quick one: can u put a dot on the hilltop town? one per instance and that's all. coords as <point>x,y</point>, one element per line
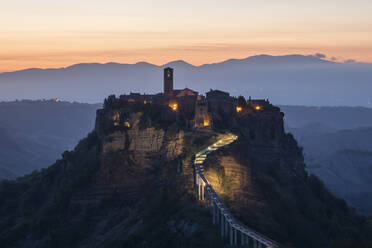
<point>186,104</point>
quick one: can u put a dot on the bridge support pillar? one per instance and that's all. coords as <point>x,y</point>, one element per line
<point>206,197</point>
<point>226,228</point>
<point>242,238</point>
<point>231,235</point>
<point>209,199</point>
<point>214,213</point>
<point>235,236</point>
<point>222,225</point>
<point>259,244</point>
<point>199,188</point>
<point>195,175</point>
<point>202,191</point>
<point>247,241</point>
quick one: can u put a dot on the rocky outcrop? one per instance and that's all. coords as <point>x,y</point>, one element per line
<point>130,184</point>
<point>232,180</point>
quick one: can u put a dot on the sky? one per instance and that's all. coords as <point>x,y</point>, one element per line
<point>51,33</point>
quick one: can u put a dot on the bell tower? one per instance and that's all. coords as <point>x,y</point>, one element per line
<point>168,81</point>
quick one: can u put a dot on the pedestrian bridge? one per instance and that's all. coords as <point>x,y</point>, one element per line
<point>230,228</point>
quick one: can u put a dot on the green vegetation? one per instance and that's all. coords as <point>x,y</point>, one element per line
<point>171,217</point>
<point>39,202</point>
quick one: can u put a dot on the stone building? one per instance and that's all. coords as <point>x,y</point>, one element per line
<point>168,81</point>
<point>203,117</point>
<point>218,95</point>
<point>188,106</point>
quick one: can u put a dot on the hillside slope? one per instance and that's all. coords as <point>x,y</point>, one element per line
<point>131,185</point>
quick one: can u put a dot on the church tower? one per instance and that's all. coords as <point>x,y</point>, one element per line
<point>168,81</point>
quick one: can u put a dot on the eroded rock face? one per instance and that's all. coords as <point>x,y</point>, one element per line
<point>139,155</point>
<point>144,151</point>
<point>134,158</point>
<point>232,179</point>
<point>134,173</point>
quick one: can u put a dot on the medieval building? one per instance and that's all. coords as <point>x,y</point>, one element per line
<point>189,104</point>
<point>168,81</point>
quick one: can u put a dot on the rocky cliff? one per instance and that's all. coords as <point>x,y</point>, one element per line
<point>130,184</point>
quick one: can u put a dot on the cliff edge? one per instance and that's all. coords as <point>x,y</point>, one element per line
<point>130,183</point>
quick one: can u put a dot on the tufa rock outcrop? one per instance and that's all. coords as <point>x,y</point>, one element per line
<point>130,183</point>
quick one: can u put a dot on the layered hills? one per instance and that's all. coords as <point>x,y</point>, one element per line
<point>289,79</point>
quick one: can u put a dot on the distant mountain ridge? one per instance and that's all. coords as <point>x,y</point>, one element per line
<point>288,79</point>
<point>263,58</point>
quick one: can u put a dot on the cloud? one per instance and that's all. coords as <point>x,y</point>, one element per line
<point>349,61</point>
<point>333,58</point>
<point>320,55</point>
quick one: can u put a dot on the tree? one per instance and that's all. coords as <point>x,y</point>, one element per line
<point>242,101</point>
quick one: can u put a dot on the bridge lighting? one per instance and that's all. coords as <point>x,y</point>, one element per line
<point>238,109</point>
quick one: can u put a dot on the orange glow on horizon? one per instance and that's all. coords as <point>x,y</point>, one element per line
<point>20,60</point>
<point>55,34</point>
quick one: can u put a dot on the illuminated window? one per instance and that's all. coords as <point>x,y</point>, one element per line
<point>173,106</point>
<point>238,109</point>
<point>258,107</point>
<point>116,117</point>
<point>206,122</point>
<point>127,124</point>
